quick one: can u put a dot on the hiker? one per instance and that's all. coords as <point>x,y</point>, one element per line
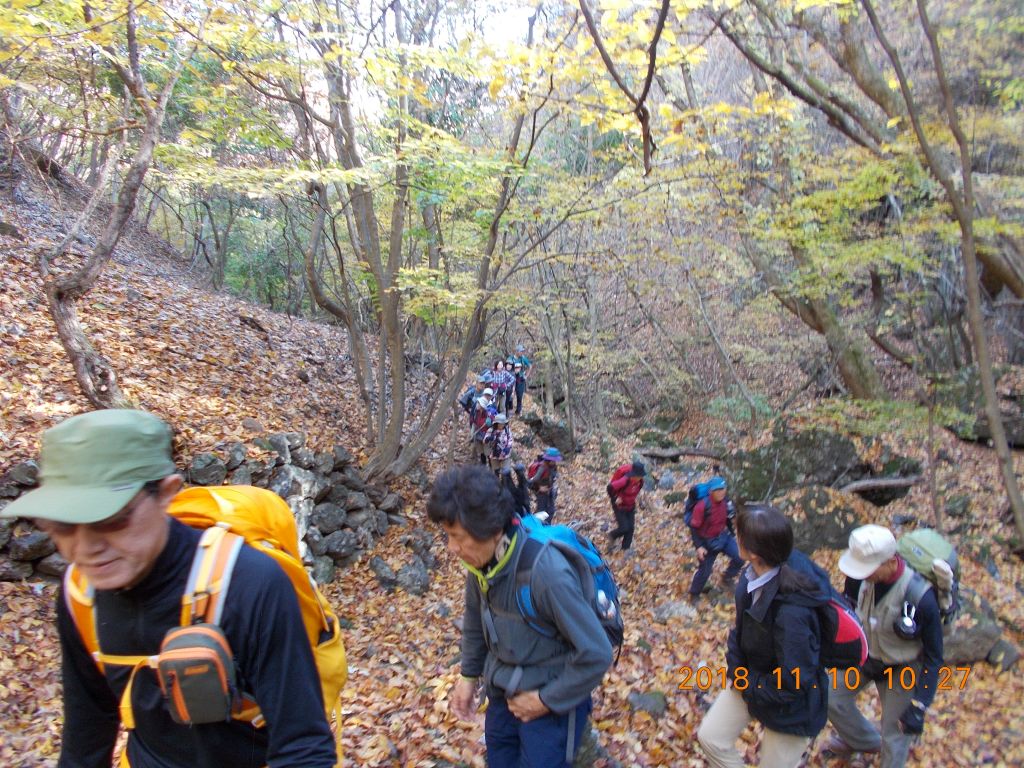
<point>480,426</point>
<point>510,375</point>
<point>467,400</point>
<point>711,535</point>
<point>499,438</point>
<point>625,486</point>
<point>538,685</point>
<point>521,368</point>
<point>543,477</point>
<point>501,380</point>
<point>772,653</point>
<point>106,483</point>
<point>877,580</point>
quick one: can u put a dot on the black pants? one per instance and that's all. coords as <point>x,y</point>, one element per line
<point>625,522</point>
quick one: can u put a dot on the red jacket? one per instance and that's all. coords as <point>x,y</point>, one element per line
<point>625,488</point>
<point>710,524</point>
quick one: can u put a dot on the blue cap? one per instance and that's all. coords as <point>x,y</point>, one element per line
<point>716,483</point>
<point>552,454</point>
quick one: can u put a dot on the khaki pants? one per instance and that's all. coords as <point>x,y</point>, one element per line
<point>722,726</point>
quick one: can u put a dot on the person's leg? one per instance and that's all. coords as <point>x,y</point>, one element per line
<point>619,529</point>
<point>501,735</point>
<point>629,518</point>
<point>851,726</point>
<point>544,740</point>
<point>703,573</point>
<point>721,727</point>
<point>782,750</point>
<point>895,744</point>
<point>732,551</point>
<point>520,394</point>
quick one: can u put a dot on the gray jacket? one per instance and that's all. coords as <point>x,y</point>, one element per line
<point>564,668</point>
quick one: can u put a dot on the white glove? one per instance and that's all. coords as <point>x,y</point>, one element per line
<point>943,574</point>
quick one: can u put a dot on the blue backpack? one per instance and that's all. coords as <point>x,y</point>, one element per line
<point>596,578</point>
<point>698,492</point>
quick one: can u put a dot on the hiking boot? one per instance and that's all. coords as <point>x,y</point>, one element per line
<point>837,747</point>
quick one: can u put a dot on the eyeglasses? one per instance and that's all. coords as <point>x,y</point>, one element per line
<point>113,524</point>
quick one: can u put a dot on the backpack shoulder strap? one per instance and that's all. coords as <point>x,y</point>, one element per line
<point>210,577</point>
<point>916,589</point>
<point>79,597</point>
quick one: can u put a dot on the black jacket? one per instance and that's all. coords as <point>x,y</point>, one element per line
<point>780,632</point>
<point>263,624</point>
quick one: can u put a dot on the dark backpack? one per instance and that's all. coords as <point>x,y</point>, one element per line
<point>599,588</point>
<point>467,400</point>
<point>843,642</point>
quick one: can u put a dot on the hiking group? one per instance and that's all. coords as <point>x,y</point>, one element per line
<point>539,625</point>
<point>187,615</point>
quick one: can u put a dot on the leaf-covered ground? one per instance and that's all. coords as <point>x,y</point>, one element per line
<point>186,356</point>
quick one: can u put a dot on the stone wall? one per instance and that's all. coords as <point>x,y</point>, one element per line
<point>338,513</point>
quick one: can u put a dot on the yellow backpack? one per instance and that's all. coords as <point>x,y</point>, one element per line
<point>228,515</point>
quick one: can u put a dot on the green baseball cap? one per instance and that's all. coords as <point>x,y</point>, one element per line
<point>93,464</point>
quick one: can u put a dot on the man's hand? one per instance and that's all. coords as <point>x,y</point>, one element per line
<point>912,719</point>
<point>702,552</point>
<point>527,706</point>
<point>462,699</point>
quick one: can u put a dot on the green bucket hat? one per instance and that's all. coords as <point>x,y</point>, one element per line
<point>93,464</point>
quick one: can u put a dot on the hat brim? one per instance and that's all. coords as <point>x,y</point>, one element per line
<point>73,505</point>
<point>555,459</point>
<point>856,568</point>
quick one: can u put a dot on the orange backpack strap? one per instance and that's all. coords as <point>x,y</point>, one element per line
<point>210,577</point>
<point>79,597</point>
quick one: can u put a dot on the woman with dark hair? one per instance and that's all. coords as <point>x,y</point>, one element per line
<point>774,672</point>
<point>538,683</point>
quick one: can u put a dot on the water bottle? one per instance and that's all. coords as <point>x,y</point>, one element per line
<point>605,606</point>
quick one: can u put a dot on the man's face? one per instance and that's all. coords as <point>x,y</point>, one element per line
<point>884,572</point>
<point>718,495</point>
<point>465,547</point>
<point>118,552</point>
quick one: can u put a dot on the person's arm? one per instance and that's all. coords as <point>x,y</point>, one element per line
<point>275,659</point>
<point>797,642</point>
<point>474,646</point>
<point>91,718</point>
<point>620,484</point>
<point>930,621</point>
<point>697,518</point>
<point>560,602</point>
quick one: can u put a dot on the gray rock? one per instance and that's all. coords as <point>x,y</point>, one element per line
<point>1004,655</point>
<point>975,632</point>
<point>653,703</point>
<point>324,570</point>
<point>324,462</point>
<point>303,457</point>
<point>342,457</point>
<point>251,425</point>
<point>260,471</point>
<point>958,506</point>
<point>358,519</point>
<point>295,440</point>
<point>552,432</point>
<point>279,444</point>
<point>52,565</point>
<point>290,480</point>
<point>391,504</point>
<point>13,570</point>
<point>26,474</point>
<point>385,573</point>
<point>30,546</point>
<point>328,518</point>
<point>376,493</point>
<point>667,481</point>
<point>9,489</point>
<point>340,544</point>
<point>315,541</point>
<point>302,510</point>
<point>237,453</point>
<point>207,469</point>
<point>354,479</point>
<point>337,494</point>
<point>822,517</point>
<point>677,609</point>
<point>242,476</point>
<point>421,542</point>
<point>357,500</point>
<point>418,477</point>
<point>395,519</point>
<point>414,577</point>
<point>380,522</point>
<point>6,527</point>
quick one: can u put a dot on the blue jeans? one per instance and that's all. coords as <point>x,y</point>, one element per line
<point>724,543</point>
<point>539,743</point>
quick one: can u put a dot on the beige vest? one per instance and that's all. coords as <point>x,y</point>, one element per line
<point>883,642</point>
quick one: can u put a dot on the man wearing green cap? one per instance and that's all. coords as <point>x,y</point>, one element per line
<point>107,479</point>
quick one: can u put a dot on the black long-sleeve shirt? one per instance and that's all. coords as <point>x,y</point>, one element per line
<point>273,659</point>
